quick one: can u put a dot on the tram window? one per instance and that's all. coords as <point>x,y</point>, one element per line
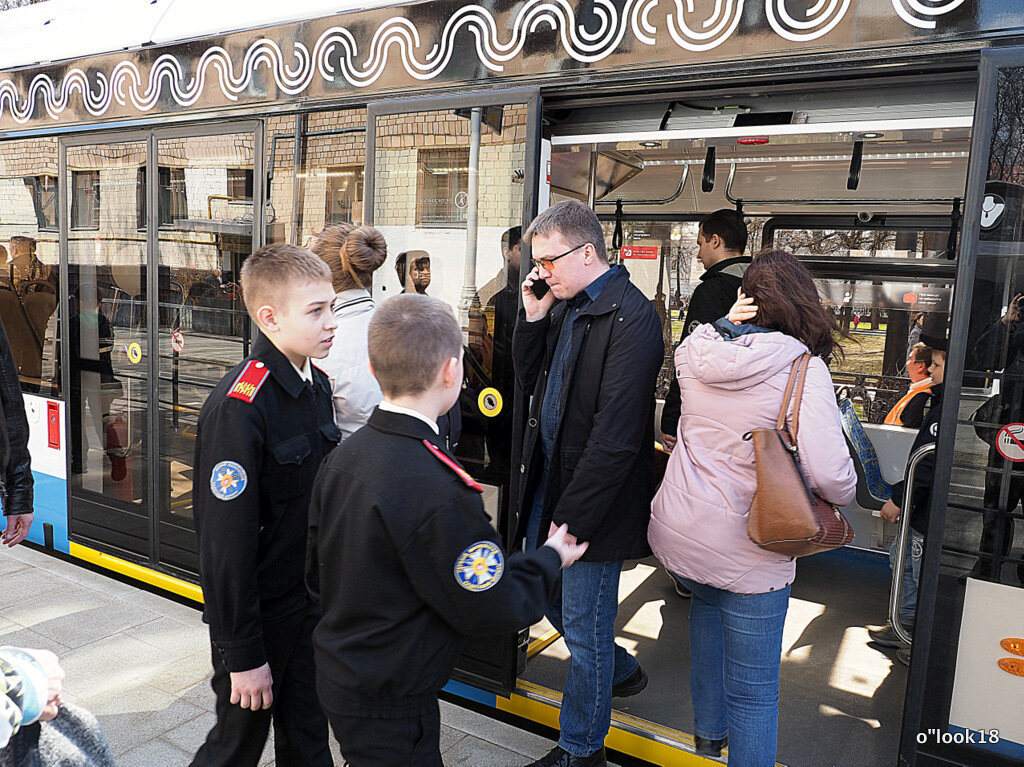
<point>443,182</point>
<point>240,183</point>
<point>862,243</point>
<point>29,274</point>
<point>85,199</point>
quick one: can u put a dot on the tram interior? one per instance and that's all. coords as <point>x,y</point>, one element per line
<point>878,233</point>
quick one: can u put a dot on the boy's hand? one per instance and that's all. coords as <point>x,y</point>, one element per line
<point>890,512</point>
<point>54,683</point>
<point>568,550</point>
<point>252,689</point>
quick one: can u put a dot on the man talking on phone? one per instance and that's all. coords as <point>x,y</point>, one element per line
<point>589,348</point>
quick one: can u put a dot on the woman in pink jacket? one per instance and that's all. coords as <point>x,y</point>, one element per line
<point>732,378</point>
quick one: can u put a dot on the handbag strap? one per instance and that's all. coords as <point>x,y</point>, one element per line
<point>795,391</point>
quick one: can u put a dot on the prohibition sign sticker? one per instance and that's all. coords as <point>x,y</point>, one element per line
<point>134,353</point>
<point>178,341</point>
<point>1010,442</point>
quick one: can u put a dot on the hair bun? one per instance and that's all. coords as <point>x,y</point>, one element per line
<point>365,249</point>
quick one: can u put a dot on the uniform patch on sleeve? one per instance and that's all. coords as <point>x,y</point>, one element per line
<point>228,480</point>
<point>479,566</point>
<point>249,381</point>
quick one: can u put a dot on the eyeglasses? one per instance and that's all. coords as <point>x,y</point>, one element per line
<point>548,263</point>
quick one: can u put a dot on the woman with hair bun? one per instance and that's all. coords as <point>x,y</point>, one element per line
<point>353,254</point>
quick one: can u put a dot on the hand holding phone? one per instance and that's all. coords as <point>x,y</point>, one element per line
<point>537,298</point>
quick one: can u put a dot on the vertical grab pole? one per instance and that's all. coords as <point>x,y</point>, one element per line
<point>899,565</point>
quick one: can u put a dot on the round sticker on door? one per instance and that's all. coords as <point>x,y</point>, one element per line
<point>134,353</point>
<point>1010,442</point>
<point>489,402</point>
<point>178,341</point>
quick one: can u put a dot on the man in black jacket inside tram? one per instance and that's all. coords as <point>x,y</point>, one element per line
<point>721,241</point>
<point>589,349</point>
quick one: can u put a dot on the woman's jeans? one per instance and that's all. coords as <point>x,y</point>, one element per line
<point>736,651</point>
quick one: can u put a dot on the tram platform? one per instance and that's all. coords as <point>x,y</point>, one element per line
<point>140,662</point>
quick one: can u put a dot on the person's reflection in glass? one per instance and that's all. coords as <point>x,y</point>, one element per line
<point>93,383</point>
<point>413,269</point>
<point>27,305</point>
<point>1006,333</point>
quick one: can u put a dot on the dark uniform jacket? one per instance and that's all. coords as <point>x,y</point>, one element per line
<point>601,474</point>
<point>407,564</point>
<point>262,435</point>
<point>927,435</point>
<point>15,463</point>
<point>711,301</point>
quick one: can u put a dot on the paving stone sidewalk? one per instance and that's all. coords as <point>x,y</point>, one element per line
<point>141,663</point>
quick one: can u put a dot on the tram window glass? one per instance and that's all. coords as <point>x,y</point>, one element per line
<point>173,200</point>
<point>85,199</point>
<point>44,200</point>
<point>29,273</point>
<point>329,188</point>
<point>240,181</point>
<point>443,182</point>
<point>108,327</point>
<point>862,243</point>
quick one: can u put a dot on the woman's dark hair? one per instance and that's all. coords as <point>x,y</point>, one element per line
<point>787,300</point>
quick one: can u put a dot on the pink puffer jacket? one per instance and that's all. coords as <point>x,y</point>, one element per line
<point>698,524</point>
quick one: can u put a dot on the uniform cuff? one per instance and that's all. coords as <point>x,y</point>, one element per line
<point>243,654</point>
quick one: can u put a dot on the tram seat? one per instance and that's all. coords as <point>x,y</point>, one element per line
<point>872,489</point>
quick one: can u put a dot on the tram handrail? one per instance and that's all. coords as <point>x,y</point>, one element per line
<point>661,201</point>
<point>899,563</point>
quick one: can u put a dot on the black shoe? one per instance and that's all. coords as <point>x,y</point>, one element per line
<point>558,757</point>
<point>631,685</point>
<point>903,655</point>
<point>886,636</point>
<point>681,590</point>
<point>707,747</point>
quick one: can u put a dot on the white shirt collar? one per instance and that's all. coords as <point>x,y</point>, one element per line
<point>305,372</point>
<point>391,407</point>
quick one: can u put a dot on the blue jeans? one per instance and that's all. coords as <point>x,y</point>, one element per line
<point>911,577</point>
<point>585,617</point>
<point>736,651</point>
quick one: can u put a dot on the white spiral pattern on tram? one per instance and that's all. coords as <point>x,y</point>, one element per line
<point>693,25</point>
<point>713,30</point>
<point>821,19</point>
<point>922,13</point>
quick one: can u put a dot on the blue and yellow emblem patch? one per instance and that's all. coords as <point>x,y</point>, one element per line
<point>228,480</point>
<point>479,566</point>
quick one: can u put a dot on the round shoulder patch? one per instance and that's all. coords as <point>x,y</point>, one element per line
<point>228,480</point>
<point>479,566</point>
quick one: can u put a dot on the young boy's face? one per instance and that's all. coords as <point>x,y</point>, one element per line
<point>938,367</point>
<point>305,322</point>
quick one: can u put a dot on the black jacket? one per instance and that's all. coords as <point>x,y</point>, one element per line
<point>393,528</point>
<point>928,434</point>
<point>15,462</point>
<point>252,530</point>
<point>711,301</point>
<point>601,476</point>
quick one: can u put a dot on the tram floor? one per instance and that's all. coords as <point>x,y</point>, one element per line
<point>841,696</point>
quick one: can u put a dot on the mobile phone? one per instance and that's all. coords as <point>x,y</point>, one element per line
<point>540,288</point>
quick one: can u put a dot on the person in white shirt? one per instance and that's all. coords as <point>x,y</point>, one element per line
<point>353,254</point>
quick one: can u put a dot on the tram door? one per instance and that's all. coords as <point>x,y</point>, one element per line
<point>450,183</point>
<point>966,686</point>
<point>156,226</point>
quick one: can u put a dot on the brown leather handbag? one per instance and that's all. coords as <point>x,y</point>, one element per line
<point>786,516</point>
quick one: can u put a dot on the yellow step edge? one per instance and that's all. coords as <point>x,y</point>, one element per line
<point>137,572</point>
<point>541,643</point>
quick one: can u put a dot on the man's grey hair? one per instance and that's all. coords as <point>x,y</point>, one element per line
<point>576,222</point>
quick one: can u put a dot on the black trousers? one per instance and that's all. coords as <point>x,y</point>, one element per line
<point>300,727</point>
<point>372,742</point>
<point>997,525</point>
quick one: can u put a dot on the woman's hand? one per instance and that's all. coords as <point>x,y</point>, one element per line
<point>744,310</point>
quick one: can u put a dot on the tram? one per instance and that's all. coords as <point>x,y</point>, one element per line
<point>148,147</point>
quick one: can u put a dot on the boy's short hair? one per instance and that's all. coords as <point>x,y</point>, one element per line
<point>410,337</point>
<point>269,274</point>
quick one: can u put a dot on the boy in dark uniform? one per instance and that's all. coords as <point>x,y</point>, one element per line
<point>402,554</point>
<point>262,435</point>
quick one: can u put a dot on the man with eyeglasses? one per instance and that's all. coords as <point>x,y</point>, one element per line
<point>589,349</point>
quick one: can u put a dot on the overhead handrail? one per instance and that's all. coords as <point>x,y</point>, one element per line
<point>836,201</point>
<point>899,565</point>
<point>663,201</point>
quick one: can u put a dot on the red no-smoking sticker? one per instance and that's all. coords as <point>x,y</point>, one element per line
<point>1010,442</point>
<point>178,341</point>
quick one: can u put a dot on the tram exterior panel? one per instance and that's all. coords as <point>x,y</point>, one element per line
<point>133,184</point>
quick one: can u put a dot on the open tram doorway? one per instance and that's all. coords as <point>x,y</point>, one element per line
<point>867,190</point>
